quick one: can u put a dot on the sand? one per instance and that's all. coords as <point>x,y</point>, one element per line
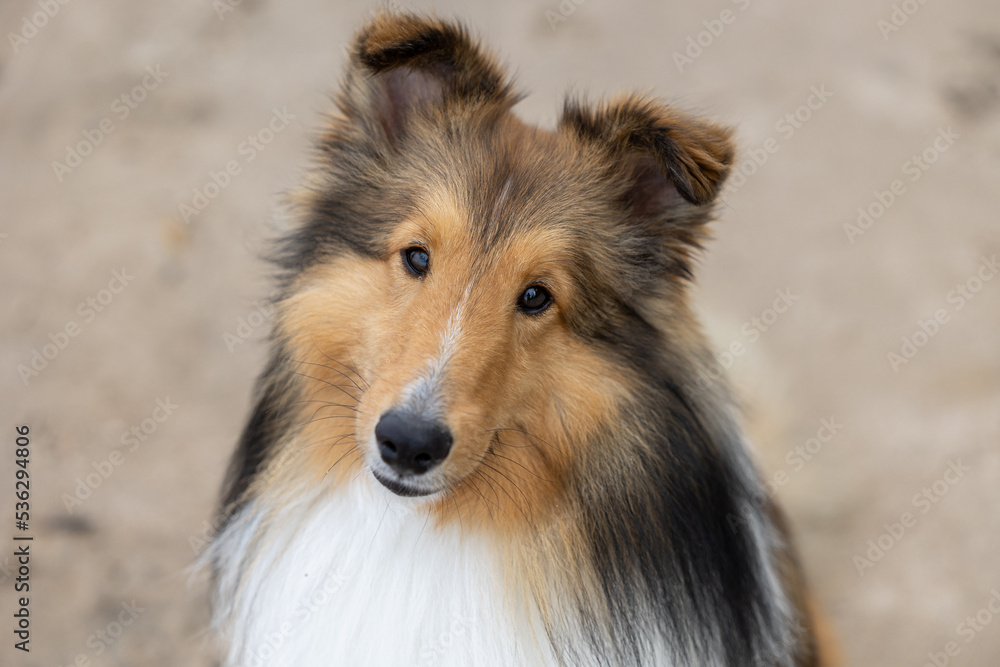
<point>839,107</point>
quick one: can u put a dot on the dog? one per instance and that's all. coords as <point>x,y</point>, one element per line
<point>487,433</point>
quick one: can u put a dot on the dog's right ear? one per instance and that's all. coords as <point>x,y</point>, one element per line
<point>403,65</point>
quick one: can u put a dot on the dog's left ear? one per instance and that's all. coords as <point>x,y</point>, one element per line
<point>658,151</point>
<point>403,65</point>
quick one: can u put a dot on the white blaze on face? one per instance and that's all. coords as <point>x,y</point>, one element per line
<point>423,395</point>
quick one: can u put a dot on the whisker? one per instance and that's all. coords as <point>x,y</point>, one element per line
<point>317,443</point>
<point>337,361</point>
<point>330,405</point>
<point>351,449</point>
<point>379,526</point>
<point>458,510</point>
<point>323,389</point>
<point>478,473</point>
<point>512,482</point>
<point>331,368</point>
<point>512,500</point>
<point>518,463</point>
<point>353,367</point>
<point>486,502</point>
<point>316,400</point>
<point>327,382</point>
<point>319,419</point>
<point>523,432</point>
<point>427,517</point>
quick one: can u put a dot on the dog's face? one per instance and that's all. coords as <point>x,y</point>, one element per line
<point>472,294</point>
<point>467,344</point>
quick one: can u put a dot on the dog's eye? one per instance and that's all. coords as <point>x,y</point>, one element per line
<point>416,260</point>
<point>534,300</point>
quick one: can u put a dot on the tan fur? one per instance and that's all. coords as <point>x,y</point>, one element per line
<point>360,328</point>
<point>521,394</point>
<point>373,317</point>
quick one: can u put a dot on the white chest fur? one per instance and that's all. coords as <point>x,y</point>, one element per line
<point>363,579</point>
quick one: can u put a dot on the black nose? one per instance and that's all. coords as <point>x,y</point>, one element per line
<point>410,444</point>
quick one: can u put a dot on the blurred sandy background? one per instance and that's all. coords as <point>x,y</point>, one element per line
<point>880,94</point>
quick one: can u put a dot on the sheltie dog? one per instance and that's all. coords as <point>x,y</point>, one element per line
<point>488,434</point>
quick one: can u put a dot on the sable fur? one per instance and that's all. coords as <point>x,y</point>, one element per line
<point>609,476</point>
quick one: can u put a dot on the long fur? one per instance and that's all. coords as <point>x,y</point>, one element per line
<point>599,507</point>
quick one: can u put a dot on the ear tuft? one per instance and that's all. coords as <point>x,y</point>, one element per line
<point>411,62</point>
<point>693,155</point>
<point>443,49</point>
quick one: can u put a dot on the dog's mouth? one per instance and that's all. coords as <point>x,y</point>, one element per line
<point>400,487</point>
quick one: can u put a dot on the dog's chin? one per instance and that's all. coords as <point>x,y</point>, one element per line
<point>401,488</point>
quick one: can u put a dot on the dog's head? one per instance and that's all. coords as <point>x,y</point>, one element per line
<point>471,296</point>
